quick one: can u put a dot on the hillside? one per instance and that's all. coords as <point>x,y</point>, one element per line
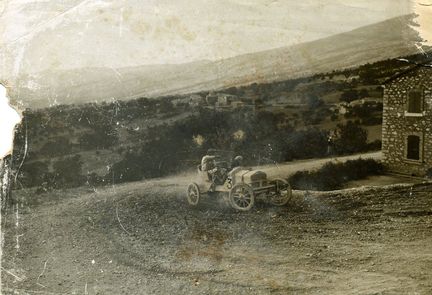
<point>388,39</point>
<point>121,141</point>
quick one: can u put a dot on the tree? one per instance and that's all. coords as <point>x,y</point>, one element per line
<point>350,138</point>
<point>349,95</point>
<point>313,101</point>
<point>67,172</point>
<point>33,174</point>
<point>59,146</point>
<point>103,136</point>
<point>308,143</point>
<point>363,93</point>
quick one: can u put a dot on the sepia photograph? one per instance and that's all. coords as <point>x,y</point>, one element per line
<point>216,147</point>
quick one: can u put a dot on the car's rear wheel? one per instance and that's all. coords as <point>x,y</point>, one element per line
<point>282,193</point>
<point>242,197</point>
<point>193,194</point>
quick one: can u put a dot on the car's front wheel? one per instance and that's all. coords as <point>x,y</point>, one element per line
<point>242,197</point>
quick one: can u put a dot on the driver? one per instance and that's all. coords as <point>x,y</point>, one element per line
<point>237,162</point>
<point>236,165</point>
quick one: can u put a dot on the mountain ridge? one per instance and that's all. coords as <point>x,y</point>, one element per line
<point>389,39</point>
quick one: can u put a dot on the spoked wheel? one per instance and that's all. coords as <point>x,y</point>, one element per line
<point>282,193</point>
<point>193,194</point>
<point>242,197</point>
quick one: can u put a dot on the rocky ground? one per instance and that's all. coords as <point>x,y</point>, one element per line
<point>143,238</point>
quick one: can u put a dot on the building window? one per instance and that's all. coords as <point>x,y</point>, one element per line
<point>413,147</point>
<point>415,101</point>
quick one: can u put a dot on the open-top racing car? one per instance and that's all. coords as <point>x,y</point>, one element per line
<point>239,186</point>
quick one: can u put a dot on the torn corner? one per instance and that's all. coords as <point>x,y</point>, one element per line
<point>423,11</point>
<point>9,118</point>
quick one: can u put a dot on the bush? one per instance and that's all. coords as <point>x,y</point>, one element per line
<point>93,179</point>
<point>130,168</point>
<point>351,138</point>
<point>334,175</point>
<point>334,117</point>
<point>313,101</point>
<point>101,138</point>
<point>372,121</point>
<point>363,93</point>
<point>56,147</point>
<point>67,172</point>
<point>310,143</point>
<point>349,95</point>
<point>374,145</point>
<point>33,173</point>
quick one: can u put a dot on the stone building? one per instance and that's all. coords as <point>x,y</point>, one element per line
<point>407,122</point>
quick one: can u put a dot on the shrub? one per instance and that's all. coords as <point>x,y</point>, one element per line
<point>334,117</point>
<point>67,172</point>
<point>310,143</point>
<point>34,173</point>
<point>349,95</point>
<point>93,179</point>
<point>374,145</point>
<point>334,175</point>
<point>101,138</point>
<point>429,173</point>
<point>352,138</point>
<point>313,101</point>
<point>372,121</point>
<point>363,93</point>
<point>58,146</point>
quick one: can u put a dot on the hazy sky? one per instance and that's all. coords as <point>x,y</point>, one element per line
<point>50,34</point>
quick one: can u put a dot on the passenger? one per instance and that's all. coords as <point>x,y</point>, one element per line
<point>208,163</point>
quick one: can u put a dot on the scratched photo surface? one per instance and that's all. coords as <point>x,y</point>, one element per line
<point>217,147</point>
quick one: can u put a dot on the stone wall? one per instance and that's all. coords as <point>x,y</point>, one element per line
<point>397,125</point>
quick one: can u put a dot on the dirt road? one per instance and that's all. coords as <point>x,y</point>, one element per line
<point>143,238</point>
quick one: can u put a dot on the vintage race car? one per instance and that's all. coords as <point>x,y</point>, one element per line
<point>240,187</point>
